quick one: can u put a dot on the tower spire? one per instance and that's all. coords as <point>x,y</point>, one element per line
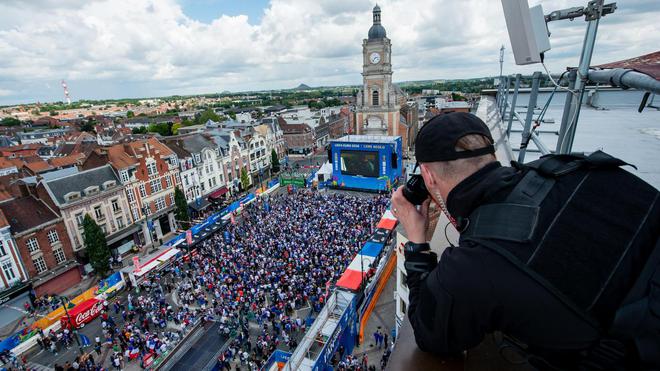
<point>376,14</point>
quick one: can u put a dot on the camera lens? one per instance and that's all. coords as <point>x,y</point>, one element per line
<point>415,190</point>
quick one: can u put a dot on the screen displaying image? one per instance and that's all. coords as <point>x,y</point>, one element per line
<point>359,163</point>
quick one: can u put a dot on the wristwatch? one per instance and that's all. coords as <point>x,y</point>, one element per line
<point>416,247</point>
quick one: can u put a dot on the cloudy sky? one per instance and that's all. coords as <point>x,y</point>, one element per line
<point>139,48</point>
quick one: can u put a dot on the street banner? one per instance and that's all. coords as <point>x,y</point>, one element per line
<point>136,264</point>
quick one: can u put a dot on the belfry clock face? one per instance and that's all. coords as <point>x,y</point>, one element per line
<point>374,58</point>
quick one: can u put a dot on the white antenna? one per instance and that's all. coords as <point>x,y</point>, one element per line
<point>501,59</point>
<point>66,92</point>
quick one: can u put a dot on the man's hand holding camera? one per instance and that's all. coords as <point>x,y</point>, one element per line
<point>415,221</point>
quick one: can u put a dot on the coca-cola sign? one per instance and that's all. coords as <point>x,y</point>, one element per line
<point>87,314</point>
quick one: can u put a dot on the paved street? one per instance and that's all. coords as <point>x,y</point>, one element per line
<point>383,317</point>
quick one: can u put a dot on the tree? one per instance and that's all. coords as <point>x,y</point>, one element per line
<point>10,121</point>
<point>209,114</point>
<point>140,130</point>
<point>245,181</point>
<point>274,161</point>
<point>181,207</point>
<point>88,126</point>
<point>96,246</point>
<point>130,114</point>
<point>175,128</point>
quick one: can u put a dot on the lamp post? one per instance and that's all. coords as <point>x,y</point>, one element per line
<point>74,331</point>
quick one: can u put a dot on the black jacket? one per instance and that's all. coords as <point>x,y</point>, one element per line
<point>473,291</point>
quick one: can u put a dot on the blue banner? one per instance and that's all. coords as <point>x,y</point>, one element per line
<point>114,279</point>
<point>277,356</point>
<point>10,343</point>
<point>344,335</point>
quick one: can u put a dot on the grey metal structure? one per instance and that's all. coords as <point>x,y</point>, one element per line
<point>577,81</point>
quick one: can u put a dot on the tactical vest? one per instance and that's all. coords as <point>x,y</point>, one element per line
<point>588,231</point>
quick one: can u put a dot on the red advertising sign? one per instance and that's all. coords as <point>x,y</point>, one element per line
<point>148,360</point>
<point>189,237</point>
<point>84,312</point>
<point>136,264</point>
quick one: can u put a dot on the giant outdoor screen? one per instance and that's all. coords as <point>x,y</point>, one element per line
<point>363,163</point>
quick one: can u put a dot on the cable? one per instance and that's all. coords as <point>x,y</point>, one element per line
<point>446,236</point>
<point>555,82</point>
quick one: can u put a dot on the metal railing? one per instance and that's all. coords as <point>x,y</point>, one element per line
<point>618,77</point>
<point>509,114</point>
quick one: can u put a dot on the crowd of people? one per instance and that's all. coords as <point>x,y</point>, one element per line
<point>279,258</point>
<point>258,280</point>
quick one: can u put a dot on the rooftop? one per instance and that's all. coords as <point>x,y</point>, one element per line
<point>26,213</point>
<point>78,182</point>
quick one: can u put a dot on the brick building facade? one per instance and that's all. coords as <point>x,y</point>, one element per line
<point>299,138</point>
<point>148,169</point>
<point>43,244</point>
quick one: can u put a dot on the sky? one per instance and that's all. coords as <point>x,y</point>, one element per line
<point>146,48</point>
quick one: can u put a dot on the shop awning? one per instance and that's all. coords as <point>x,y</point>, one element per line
<point>201,205</point>
<point>387,224</point>
<point>371,249</point>
<point>351,279</point>
<point>361,263</point>
<point>218,193</point>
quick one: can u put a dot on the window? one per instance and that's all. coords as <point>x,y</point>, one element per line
<point>104,228</point>
<point>403,306</point>
<point>115,206</point>
<point>3,252</point>
<point>143,191</point>
<point>53,237</point>
<point>160,203</point>
<point>32,244</point>
<point>156,186</point>
<point>99,213</point>
<point>131,195</point>
<point>151,168</point>
<point>123,175</point>
<point>9,270</point>
<point>146,209</point>
<point>135,212</point>
<point>59,255</point>
<point>210,184</point>
<point>374,98</point>
<point>79,219</point>
<point>120,223</point>
<point>40,264</point>
<point>171,198</point>
<point>168,181</point>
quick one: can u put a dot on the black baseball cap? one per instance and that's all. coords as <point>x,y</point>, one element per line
<point>436,140</point>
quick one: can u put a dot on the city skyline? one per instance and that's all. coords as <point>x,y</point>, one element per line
<point>143,48</point>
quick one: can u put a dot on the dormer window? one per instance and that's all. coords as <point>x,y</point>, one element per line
<point>91,190</point>
<point>71,196</point>
<point>109,184</point>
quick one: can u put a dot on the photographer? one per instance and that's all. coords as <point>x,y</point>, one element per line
<point>560,255</point>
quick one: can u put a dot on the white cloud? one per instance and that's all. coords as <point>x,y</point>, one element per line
<point>120,48</point>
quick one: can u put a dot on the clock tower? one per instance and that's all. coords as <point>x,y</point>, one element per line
<point>378,102</point>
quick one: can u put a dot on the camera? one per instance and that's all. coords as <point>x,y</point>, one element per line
<point>415,190</point>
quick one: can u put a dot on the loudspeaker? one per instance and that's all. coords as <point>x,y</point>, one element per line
<point>395,162</point>
<point>321,178</point>
<point>329,155</point>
